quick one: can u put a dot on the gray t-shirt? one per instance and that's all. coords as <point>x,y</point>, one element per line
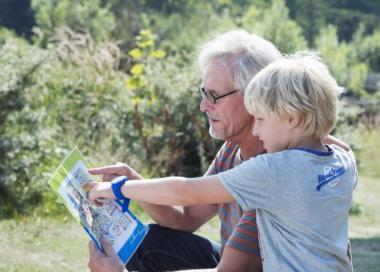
<point>302,199</point>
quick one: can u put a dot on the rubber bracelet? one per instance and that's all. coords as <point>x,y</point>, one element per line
<point>116,189</point>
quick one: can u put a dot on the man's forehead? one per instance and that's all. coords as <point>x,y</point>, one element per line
<point>217,65</point>
<point>217,76</point>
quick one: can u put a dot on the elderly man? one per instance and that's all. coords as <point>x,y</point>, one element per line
<point>228,63</point>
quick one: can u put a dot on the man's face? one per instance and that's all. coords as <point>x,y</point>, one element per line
<point>228,118</point>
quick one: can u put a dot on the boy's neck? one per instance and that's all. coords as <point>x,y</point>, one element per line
<point>309,143</point>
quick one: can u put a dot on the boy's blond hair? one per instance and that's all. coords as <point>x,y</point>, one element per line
<point>300,84</point>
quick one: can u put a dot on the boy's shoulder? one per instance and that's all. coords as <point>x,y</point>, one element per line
<point>344,155</point>
<point>300,157</point>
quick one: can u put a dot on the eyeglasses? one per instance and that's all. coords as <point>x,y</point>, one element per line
<point>211,96</point>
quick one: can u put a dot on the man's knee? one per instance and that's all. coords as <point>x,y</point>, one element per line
<point>166,249</point>
<point>153,237</point>
<point>151,241</point>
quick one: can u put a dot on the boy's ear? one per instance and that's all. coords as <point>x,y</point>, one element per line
<point>294,120</point>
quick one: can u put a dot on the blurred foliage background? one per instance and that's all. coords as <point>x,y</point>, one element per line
<point>118,79</point>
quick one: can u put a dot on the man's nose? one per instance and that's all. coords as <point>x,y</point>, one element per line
<point>205,104</point>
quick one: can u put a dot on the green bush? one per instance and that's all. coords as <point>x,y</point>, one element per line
<point>82,15</point>
<point>343,61</point>
<point>74,93</point>
<point>18,121</point>
<point>52,100</point>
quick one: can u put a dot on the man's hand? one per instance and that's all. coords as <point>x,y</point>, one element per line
<point>111,172</point>
<point>333,140</point>
<point>108,262</point>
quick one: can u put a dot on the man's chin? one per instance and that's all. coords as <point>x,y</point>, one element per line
<point>216,135</point>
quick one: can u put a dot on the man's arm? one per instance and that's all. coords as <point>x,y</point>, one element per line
<point>242,249</point>
<point>333,140</point>
<point>236,260</point>
<point>188,218</point>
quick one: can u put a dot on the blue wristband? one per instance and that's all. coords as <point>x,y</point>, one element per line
<point>116,189</point>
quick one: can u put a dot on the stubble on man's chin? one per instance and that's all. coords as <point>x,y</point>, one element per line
<point>214,135</point>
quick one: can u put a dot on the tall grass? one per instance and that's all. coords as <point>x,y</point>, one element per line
<point>368,155</point>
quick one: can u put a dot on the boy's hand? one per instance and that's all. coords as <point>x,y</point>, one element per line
<point>98,191</point>
<point>110,172</point>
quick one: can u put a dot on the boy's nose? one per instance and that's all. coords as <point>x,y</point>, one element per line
<point>255,131</point>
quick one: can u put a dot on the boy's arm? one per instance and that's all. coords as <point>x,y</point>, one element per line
<point>188,218</point>
<point>167,191</point>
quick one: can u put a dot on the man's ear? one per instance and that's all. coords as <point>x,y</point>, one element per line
<point>294,120</point>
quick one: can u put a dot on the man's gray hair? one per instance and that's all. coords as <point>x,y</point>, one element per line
<point>243,54</point>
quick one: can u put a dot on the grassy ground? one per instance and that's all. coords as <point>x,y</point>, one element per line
<point>59,244</point>
<point>34,244</point>
<point>365,227</point>
<point>47,244</point>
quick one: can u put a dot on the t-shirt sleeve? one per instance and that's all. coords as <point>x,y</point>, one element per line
<point>214,166</point>
<point>251,183</point>
<point>244,237</point>
<point>354,167</point>
<point>351,161</point>
<point>211,169</point>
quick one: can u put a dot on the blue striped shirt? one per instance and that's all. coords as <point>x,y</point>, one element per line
<point>238,229</point>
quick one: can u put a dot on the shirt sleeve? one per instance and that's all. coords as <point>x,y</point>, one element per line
<point>211,169</point>
<point>244,236</point>
<point>251,183</point>
<point>214,166</point>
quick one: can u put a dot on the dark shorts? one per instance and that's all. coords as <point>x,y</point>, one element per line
<point>165,249</point>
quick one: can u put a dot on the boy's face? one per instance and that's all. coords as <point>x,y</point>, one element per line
<point>275,133</point>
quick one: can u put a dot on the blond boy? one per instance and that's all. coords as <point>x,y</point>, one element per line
<point>301,189</point>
